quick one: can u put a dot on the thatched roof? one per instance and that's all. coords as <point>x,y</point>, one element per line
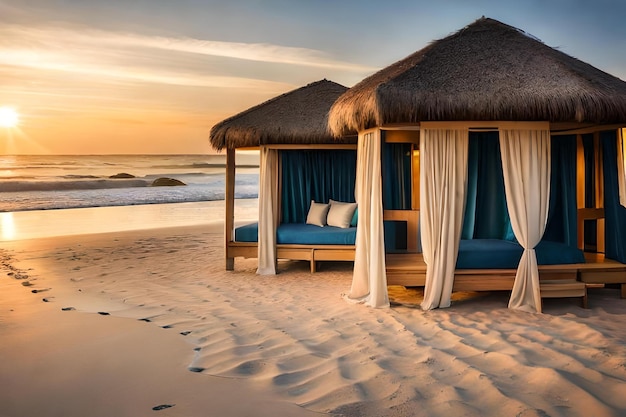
<point>299,116</point>
<point>485,71</point>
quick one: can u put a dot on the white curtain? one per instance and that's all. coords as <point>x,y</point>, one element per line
<point>268,211</point>
<point>526,168</point>
<point>443,181</point>
<point>621,163</point>
<point>369,280</point>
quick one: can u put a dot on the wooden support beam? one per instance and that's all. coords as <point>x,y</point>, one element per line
<point>229,198</point>
<point>580,187</point>
<point>301,146</point>
<point>599,165</point>
<point>599,171</point>
<point>415,175</point>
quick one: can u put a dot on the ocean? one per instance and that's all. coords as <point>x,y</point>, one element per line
<point>45,182</point>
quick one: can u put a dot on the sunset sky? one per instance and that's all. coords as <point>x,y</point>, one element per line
<point>153,76</point>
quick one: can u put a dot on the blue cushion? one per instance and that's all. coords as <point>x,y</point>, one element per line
<point>504,254</point>
<point>556,253</point>
<point>488,254</point>
<point>247,233</point>
<point>309,234</point>
<point>300,234</point>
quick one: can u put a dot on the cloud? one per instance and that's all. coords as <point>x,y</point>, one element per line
<point>125,55</point>
<point>261,52</point>
<point>72,63</point>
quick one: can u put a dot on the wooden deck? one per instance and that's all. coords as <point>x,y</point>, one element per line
<point>409,270</point>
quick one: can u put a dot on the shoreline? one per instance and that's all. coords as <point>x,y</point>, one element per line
<point>33,224</point>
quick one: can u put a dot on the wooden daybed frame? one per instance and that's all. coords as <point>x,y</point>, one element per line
<point>311,253</point>
<point>410,271</point>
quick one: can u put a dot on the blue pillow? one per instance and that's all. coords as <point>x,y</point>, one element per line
<point>355,218</point>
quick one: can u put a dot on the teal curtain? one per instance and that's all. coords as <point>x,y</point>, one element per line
<point>469,216</point>
<point>615,214</point>
<point>561,226</point>
<point>315,174</point>
<point>396,175</point>
<point>486,215</point>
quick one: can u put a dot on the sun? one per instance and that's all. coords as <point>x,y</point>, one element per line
<point>9,117</point>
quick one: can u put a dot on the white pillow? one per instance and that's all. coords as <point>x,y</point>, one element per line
<point>340,214</point>
<point>317,214</point>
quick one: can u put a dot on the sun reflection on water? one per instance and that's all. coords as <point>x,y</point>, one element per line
<point>8,226</point>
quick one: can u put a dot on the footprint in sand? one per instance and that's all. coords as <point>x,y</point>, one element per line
<point>17,275</point>
<point>104,313</point>
<point>162,407</point>
<point>40,290</point>
<point>68,309</point>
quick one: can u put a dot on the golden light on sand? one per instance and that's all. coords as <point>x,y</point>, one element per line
<point>8,226</point>
<point>9,117</point>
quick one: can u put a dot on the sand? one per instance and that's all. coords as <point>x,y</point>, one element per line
<point>118,324</point>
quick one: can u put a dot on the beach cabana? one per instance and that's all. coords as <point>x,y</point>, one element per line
<point>517,158</point>
<point>300,162</point>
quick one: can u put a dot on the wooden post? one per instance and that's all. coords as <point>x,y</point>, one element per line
<point>599,191</point>
<point>580,189</point>
<point>599,166</point>
<point>229,197</point>
<point>413,227</point>
<point>415,175</point>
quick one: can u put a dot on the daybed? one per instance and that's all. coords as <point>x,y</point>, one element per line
<point>308,242</point>
<point>489,264</point>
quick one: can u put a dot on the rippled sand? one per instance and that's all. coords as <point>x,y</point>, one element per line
<point>293,340</point>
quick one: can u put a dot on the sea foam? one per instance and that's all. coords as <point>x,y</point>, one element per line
<point>57,182</point>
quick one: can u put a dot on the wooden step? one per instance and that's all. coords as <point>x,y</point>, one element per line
<point>564,289</point>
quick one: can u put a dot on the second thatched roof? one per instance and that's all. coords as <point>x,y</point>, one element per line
<point>297,117</point>
<point>485,71</point>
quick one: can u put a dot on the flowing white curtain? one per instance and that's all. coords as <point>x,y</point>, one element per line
<point>526,168</point>
<point>621,163</point>
<point>268,211</point>
<point>443,164</point>
<point>369,280</point>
